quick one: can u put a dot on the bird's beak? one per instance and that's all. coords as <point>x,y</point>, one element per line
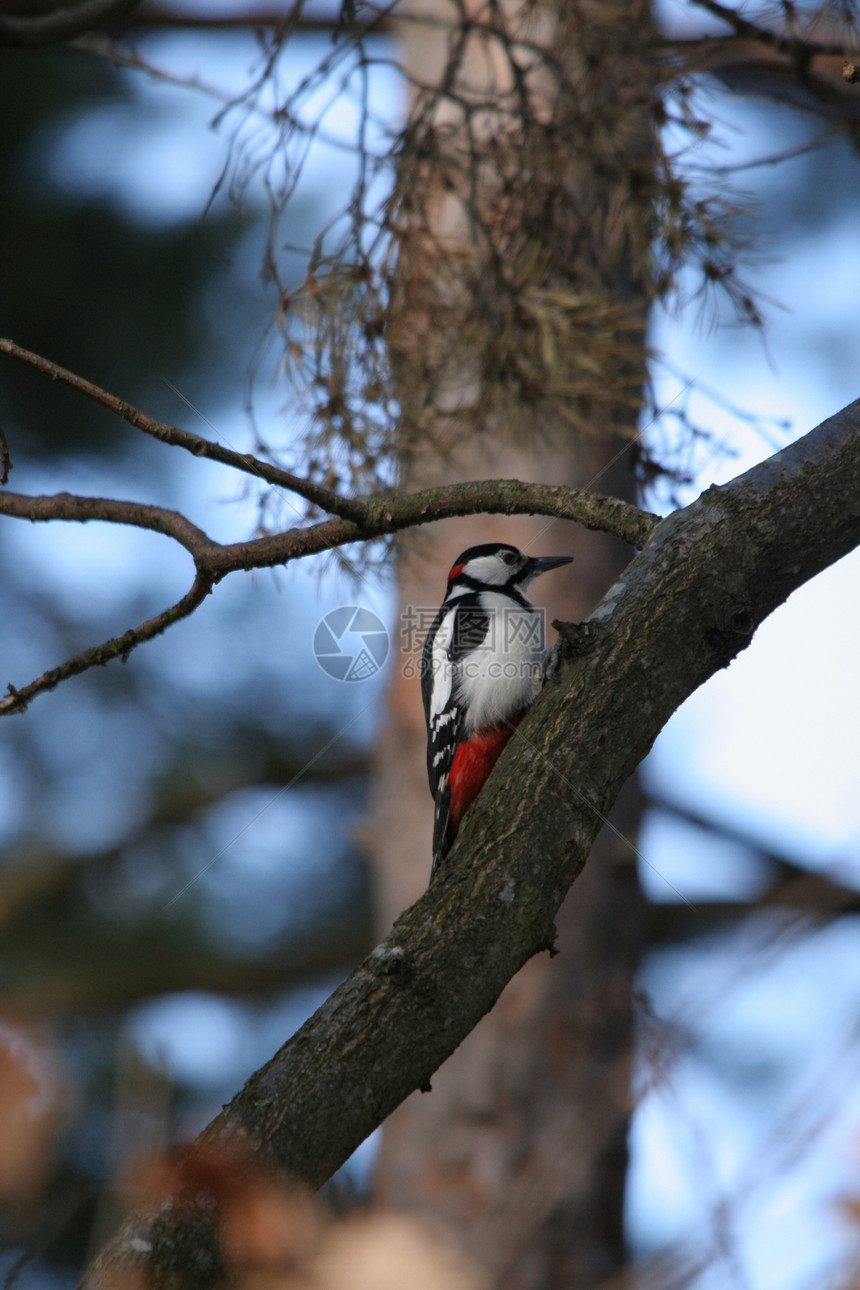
<point>543,563</point>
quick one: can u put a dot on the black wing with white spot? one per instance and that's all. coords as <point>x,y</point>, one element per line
<point>459,628</point>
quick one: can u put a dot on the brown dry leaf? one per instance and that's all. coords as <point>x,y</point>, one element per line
<point>30,1108</point>
<point>270,1225</point>
<point>389,1252</point>
<point>267,1227</point>
<point>277,1236</point>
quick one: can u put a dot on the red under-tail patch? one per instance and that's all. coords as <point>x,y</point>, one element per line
<point>471,766</point>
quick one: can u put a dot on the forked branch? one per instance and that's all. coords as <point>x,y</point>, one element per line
<point>354,519</point>
<point>382,516</point>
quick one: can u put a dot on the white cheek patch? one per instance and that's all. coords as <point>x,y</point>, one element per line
<point>491,570</point>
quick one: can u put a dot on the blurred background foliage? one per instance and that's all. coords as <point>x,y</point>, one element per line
<point>114,799</point>
<point>181,876</point>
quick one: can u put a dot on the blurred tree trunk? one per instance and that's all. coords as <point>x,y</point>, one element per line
<point>521,1146</point>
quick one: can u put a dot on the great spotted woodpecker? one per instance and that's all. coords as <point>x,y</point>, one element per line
<point>482,667</point>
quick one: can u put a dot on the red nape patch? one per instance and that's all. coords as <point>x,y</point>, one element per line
<point>456,570</point>
<point>470,768</point>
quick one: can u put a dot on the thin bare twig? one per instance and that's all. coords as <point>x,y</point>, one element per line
<point>362,517</point>
<point>387,514</point>
<point>101,46</point>
<point>70,506</point>
<point>794,47</point>
<point>117,647</point>
<point>317,494</point>
<point>155,15</point>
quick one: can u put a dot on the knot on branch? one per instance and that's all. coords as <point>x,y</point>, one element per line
<point>549,943</point>
<point>390,959</point>
<point>578,637</point>
<point>731,631</point>
<point>12,701</point>
<point>574,640</point>
<point>741,622</point>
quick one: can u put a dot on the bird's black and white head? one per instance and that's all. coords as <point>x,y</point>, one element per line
<point>497,566</point>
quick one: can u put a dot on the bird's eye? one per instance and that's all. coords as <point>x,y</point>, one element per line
<point>508,557</point>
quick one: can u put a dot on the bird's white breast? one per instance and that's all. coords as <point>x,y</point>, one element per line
<point>499,678</point>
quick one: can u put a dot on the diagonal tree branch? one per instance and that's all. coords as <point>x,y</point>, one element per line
<point>116,647</point>
<point>364,517</point>
<point>326,498</point>
<point>67,506</point>
<point>691,600</point>
<point>796,48</point>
